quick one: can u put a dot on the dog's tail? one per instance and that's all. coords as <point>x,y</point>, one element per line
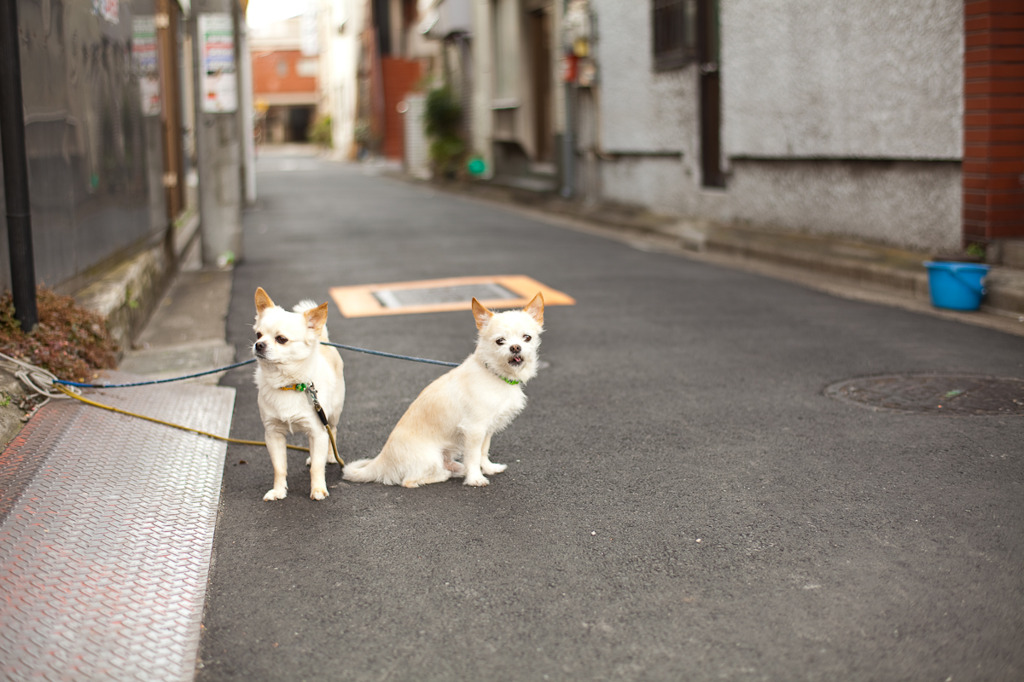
<point>366,471</point>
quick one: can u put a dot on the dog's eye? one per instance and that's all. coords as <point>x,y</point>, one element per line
<point>259,335</point>
<point>281,340</point>
<point>527,338</point>
<point>500,342</point>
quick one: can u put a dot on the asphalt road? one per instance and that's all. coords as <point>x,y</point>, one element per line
<point>683,500</point>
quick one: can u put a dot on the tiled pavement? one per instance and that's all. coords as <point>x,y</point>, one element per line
<point>106,531</point>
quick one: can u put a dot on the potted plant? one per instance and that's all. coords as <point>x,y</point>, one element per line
<point>442,118</point>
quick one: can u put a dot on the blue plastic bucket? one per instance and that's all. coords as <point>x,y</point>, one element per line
<point>957,286</point>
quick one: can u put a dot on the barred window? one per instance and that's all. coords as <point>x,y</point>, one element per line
<point>674,32</point>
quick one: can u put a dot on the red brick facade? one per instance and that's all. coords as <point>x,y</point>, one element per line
<point>993,162</point>
<point>276,72</point>
<point>400,77</point>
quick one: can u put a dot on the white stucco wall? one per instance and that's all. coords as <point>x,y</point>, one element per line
<point>909,204</point>
<point>842,79</point>
<point>838,118</point>
<point>641,111</point>
<point>343,22</point>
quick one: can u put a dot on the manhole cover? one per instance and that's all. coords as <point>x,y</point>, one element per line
<point>935,393</point>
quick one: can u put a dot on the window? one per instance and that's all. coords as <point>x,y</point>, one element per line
<point>307,68</point>
<point>674,33</point>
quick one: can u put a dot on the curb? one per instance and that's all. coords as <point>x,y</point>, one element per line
<point>127,293</point>
<point>898,271</point>
<point>11,393</point>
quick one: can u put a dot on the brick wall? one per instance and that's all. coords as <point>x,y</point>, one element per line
<point>278,71</point>
<point>993,161</point>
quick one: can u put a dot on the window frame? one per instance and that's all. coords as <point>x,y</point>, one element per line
<point>673,33</point>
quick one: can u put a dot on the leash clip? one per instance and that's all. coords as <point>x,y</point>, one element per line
<point>311,392</point>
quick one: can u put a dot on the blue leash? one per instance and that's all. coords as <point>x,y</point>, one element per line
<point>391,355</point>
<point>249,362</point>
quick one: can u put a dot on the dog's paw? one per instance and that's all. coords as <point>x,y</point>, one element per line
<point>491,468</point>
<point>276,494</point>
<point>476,480</point>
<point>318,493</point>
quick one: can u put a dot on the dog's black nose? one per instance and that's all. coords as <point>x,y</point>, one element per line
<point>260,347</point>
<point>514,349</point>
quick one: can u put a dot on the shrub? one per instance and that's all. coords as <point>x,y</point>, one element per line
<point>69,341</point>
<point>442,118</point>
<point>320,132</point>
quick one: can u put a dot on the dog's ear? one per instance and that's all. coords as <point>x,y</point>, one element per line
<point>316,317</point>
<point>481,313</point>
<point>535,308</point>
<point>262,300</point>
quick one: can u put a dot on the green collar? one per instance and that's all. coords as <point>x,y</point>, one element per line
<point>510,382</point>
<point>301,388</point>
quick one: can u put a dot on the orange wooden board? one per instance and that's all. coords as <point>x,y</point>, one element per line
<point>361,301</point>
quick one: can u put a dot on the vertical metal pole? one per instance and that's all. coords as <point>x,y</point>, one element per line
<point>12,136</point>
<point>246,112</point>
<point>569,144</point>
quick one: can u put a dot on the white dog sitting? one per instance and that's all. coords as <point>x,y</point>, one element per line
<point>458,413</point>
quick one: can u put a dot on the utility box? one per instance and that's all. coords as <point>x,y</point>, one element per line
<point>417,148</point>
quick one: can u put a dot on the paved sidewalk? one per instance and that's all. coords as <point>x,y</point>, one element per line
<point>106,535</point>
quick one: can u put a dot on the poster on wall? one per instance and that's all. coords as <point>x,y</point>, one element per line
<point>146,61</point>
<point>110,10</point>
<point>219,84</point>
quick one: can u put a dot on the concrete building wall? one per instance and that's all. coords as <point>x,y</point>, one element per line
<point>343,22</point>
<point>838,118</point>
<point>639,129</point>
<point>840,79</point>
<point>909,204</point>
<point>641,111</point>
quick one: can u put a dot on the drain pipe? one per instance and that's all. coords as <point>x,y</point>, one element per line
<point>568,168</point>
<point>12,137</point>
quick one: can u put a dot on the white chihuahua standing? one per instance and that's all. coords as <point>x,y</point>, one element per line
<point>458,413</point>
<point>290,362</point>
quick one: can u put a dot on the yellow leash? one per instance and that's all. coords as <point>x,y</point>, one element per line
<point>334,446</point>
<point>72,394</point>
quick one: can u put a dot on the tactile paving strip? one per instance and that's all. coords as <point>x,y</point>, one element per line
<point>105,545</point>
